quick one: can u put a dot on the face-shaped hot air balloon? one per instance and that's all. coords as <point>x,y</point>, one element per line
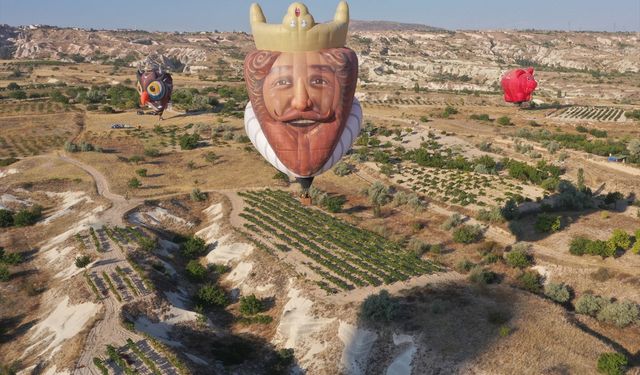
<point>154,87</point>
<point>518,85</point>
<point>302,116</point>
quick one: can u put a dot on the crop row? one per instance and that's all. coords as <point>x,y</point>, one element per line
<point>343,254</point>
<point>593,113</point>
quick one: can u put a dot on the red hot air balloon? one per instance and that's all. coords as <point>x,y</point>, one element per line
<point>518,85</point>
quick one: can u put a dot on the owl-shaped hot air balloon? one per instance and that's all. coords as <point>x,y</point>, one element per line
<point>154,87</point>
<point>518,85</point>
<point>302,116</point>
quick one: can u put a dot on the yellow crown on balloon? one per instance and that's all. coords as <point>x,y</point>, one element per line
<point>298,32</point>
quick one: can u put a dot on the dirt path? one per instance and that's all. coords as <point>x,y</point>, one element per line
<point>119,204</point>
<point>108,330</point>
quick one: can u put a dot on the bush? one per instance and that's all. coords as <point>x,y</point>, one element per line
<point>467,234</point>
<point>612,363</point>
<point>5,274</point>
<point>482,276</point>
<point>531,281</point>
<point>27,217</point>
<point>589,304</point>
<point>6,218</point>
<point>197,195</point>
<point>189,142</point>
<point>452,222</point>
<point>620,314</point>
<point>211,295</point>
<point>134,183</point>
<point>518,259</point>
<point>504,120</point>
<point>250,305</point>
<point>342,169</point>
<point>142,172</point>
<point>196,271</point>
<point>152,152</point>
<point>546,223</point>
<point>494,215</point>
<point>194,247</point>
<point>557,292</point>
<point>379,307</point>
<point>417,246</point>
<point>334,203</point>
<point>620,239</point>
<point>510,210</point>
<point>83,261</point>
<point>464,266</point>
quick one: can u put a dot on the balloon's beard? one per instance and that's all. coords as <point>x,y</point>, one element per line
<point>303,141</point>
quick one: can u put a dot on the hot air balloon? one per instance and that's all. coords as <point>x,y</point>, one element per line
<point>302,115</point>
<point>154,87</point>
<point>518,85</point>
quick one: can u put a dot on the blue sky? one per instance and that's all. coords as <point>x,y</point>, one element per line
<point>228,15</point>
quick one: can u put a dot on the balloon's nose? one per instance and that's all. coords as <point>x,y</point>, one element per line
<point>301,100</point>
<point>144,98</point>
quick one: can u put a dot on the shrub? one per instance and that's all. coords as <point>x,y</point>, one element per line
<point>211,295</point>
<point>334,203</point>
<point>379,307</point>
<point>189,142</point>
<point>197,195</point>
<point>452,222</point>
<point>589,304</point>
<point>5,274</point>
<point>134,183</point>
<point>482,276</point>
<point>417,246</point>
<point>250,305</point>
<point>194,247</point>
<point>612,363</point>
<point>620,314</point>
<point>211,157</point>
<point>342,169</point>
<point>547,223</point>
<point>27,217</point>
<point>557,292</point>
<point>518,259</point>
<point>151,152</point>
<point>196,271</point>
<point>620,239</point>
<point>601,274</point>
<point>504,331</point>
<point>142,172</point>
<point>530,280</point>
<point>464,266</point>
<point>83,261</point>
<point>494,215</point>
<point>6,218</point>
<point>467,234</point>
<point>504,120</point>
<point>510,210</point>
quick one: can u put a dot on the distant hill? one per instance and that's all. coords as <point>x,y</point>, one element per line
<point>356,25</point>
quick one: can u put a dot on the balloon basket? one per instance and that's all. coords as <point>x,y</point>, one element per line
<point>306,201</point>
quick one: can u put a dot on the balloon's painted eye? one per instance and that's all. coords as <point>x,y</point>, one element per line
<point>292,23</point>
<point>282,82</point>
<point>156,90</point>
<point>319,81</point>
<point>303,23</point>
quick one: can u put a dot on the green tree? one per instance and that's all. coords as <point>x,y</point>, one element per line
<point>250,305</point>
<point>467,233</point>
<point>546,223</point>
<point>518,259</point>
<point>6,218</point>
<point>589,304</point>
<point>27,217</point>
<point>379,307</point>
<point>194,247</point>
<point>142,172</point>
<point>83,261</point>
<point>5,274</point>
<point>196,271</point>
<point>612,363</point>
<point>189,142</point>
<point>504,120</point>
<point>211,295</point>
<point>620,239</point>
<point>557,292</point>
<point>134,183</point>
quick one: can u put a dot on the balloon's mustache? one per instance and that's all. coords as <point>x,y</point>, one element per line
<point>294,114</point>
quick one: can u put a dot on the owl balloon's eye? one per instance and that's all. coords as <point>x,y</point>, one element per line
<point>156,90</point>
